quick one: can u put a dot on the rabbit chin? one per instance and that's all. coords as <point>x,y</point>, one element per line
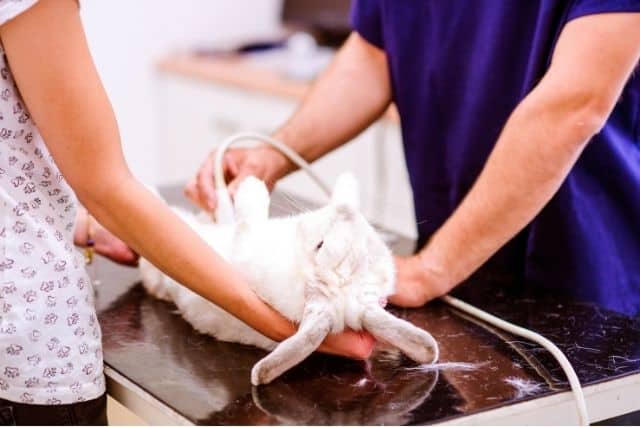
<point>328,266</point>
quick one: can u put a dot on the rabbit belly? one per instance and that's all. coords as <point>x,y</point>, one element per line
<point>204,316</point>
<point>208,318</point>
<point>266,256</point>
<point>283,295</point>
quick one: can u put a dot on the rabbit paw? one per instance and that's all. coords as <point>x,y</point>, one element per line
<point>426,350</point>
<point>262,374</point>
<point>346,191</point>
<point>251,200</point>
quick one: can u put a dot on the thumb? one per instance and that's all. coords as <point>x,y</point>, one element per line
<point>231,166</point>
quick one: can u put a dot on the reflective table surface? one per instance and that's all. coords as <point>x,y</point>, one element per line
<point>207,381</point>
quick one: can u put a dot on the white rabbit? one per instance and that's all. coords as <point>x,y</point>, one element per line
<point>325,270</point>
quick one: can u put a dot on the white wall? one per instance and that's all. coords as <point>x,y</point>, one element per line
<point>127,36</point>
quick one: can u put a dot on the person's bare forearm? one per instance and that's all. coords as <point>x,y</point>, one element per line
<point>152,230</point>
<point>74,116</point>
<point>534,154</point>
<point>540,143</point>
<point>350,95</point>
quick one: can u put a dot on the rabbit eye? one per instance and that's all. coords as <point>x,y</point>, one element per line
<point>319,245</point>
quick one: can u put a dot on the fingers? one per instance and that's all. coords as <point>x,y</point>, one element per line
<point>110,246</point>
<point>191,191</point>
<point>407,299</point>
<point>231,165</point>
<point>410,291</point>
<point>352,344</point>
<point>238,163</point>
<point>367,344</point>
<point>202,190</point>
<point>204,184</point>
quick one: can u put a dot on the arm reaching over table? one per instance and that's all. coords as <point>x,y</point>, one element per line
<point>47,51</point>
<point>350,95</point>
<point>540,143</point>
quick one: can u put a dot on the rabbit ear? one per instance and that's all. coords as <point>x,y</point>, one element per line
<point>346,191</point>
<point>416,343</point>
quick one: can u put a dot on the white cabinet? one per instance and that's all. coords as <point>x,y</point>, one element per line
<point>193,115</point>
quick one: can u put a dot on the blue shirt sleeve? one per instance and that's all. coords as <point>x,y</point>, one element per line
<point>366,19</point>
<point>591,7</point>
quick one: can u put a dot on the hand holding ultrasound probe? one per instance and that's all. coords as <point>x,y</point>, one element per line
<point>467,180</point>
<point>275,362</point>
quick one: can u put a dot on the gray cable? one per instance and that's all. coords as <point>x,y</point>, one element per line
<point>224,212</point>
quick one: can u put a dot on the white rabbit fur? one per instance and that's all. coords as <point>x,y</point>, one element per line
<point>325,270</point>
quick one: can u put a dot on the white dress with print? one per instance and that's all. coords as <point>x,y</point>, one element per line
<point>50,342</point>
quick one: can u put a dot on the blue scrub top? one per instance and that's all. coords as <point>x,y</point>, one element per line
<point>458,70</point>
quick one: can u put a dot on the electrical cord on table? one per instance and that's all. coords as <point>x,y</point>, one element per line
<point>224,214</point>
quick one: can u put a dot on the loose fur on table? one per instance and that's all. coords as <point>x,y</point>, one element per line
<point>325,270</point>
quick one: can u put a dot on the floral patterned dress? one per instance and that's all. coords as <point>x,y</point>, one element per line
<point>50,341</point>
